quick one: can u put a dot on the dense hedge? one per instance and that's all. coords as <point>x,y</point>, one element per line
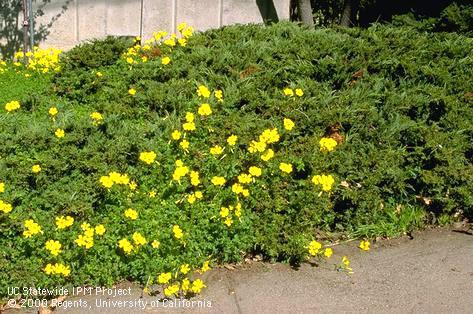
<point>398,100</point>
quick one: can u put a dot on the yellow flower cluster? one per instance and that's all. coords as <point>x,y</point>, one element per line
<point>86,239</point>
<point>148,157</point>
<point>57,269</point>
<point>226,213</point>
<point>126,246</point>
<point>156,45</point>
<point>346,265</point>
<point>285,167</point>
<point>314,247</point>
<point>290,92</point>
<point>205,110</point>
<point>191,198</point>
<point>219,181</point>
<point>64,222</point>
<point>365,245</point>
<point>131,214</point>
<point>12,106</point>
<point>36,168</point>
<point>180,171</point>
<point>59,133</point>
<point>41,60</point>
<point>327,144</point>
<point>54,247</point>
<point>326,181</point>
<point>31,228</point>
<point>97,118</point>
<point>114,178</point>
<point>5,207</point>
<point>177,231</point>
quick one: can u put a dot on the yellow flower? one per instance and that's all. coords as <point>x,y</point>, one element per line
<point>171,290</point>
<point>188,32</point>
<point>148,157</point>
<point>238,210</point>
<point>36,168</point>
<point>244,178</point>
<point>182,42</point>
<point>224,211</point>
<point>269,136</point>
<point>5,207</point>
<point>100,230</point>
<point>228,221</point>
<point>179,172</point>
<point>198,194</point>
<point>152,194</point>
<point>190,117</point>
<point>328,252</point>
<point>97,117</point>
<point>106,181</point>
<point>364,245</point>
<point>54,247</point>
<point>216,150</point>
<point>185,268</point>
<point>164,278</point>
<point>288,124</point>
<point>130,60</point>
<point>64,222</point>
<point>191,198</point>
<point>268,155</point>
<point>218,181</point>
<point>59,133</point>
<point>171,42</point>
<point>85,226</point>
<point>205,110</point>
<point>99,74</point>
<point>284,167</point>
<point>205,267</point>
<point>237,188</point>
<point>132,185</point>
<point>2,187</point>
<point>132,91</point>
<point>219,95</point>
<point>288,92</point>
<point>189,126</point>
<point>314,247</point>
<point>57,269</point>
<point>155,244</point>
<point>131,213</point>
<point>31,228</point>
<point>203,91</point>
<point>327,144</point>
<point>194,175</point>
<point>184,144</point>
<point>255,171</point>
<point>165,60</point>
<point>176,135</point>
<point>299,92</point>
<point>139,239</point>
<point>257,147</point>
<point>197,286</point>
<point>185,285</point>
<point>178,234</point>
<point>12,105</point>
<point>126,246</point>
<point>181,26</point>
<point>232,139</point>
<point>345,261</point>
<point>53,111</point>
<point>326,181</point>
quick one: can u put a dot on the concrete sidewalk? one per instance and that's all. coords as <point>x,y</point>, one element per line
<point>432,273</point>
